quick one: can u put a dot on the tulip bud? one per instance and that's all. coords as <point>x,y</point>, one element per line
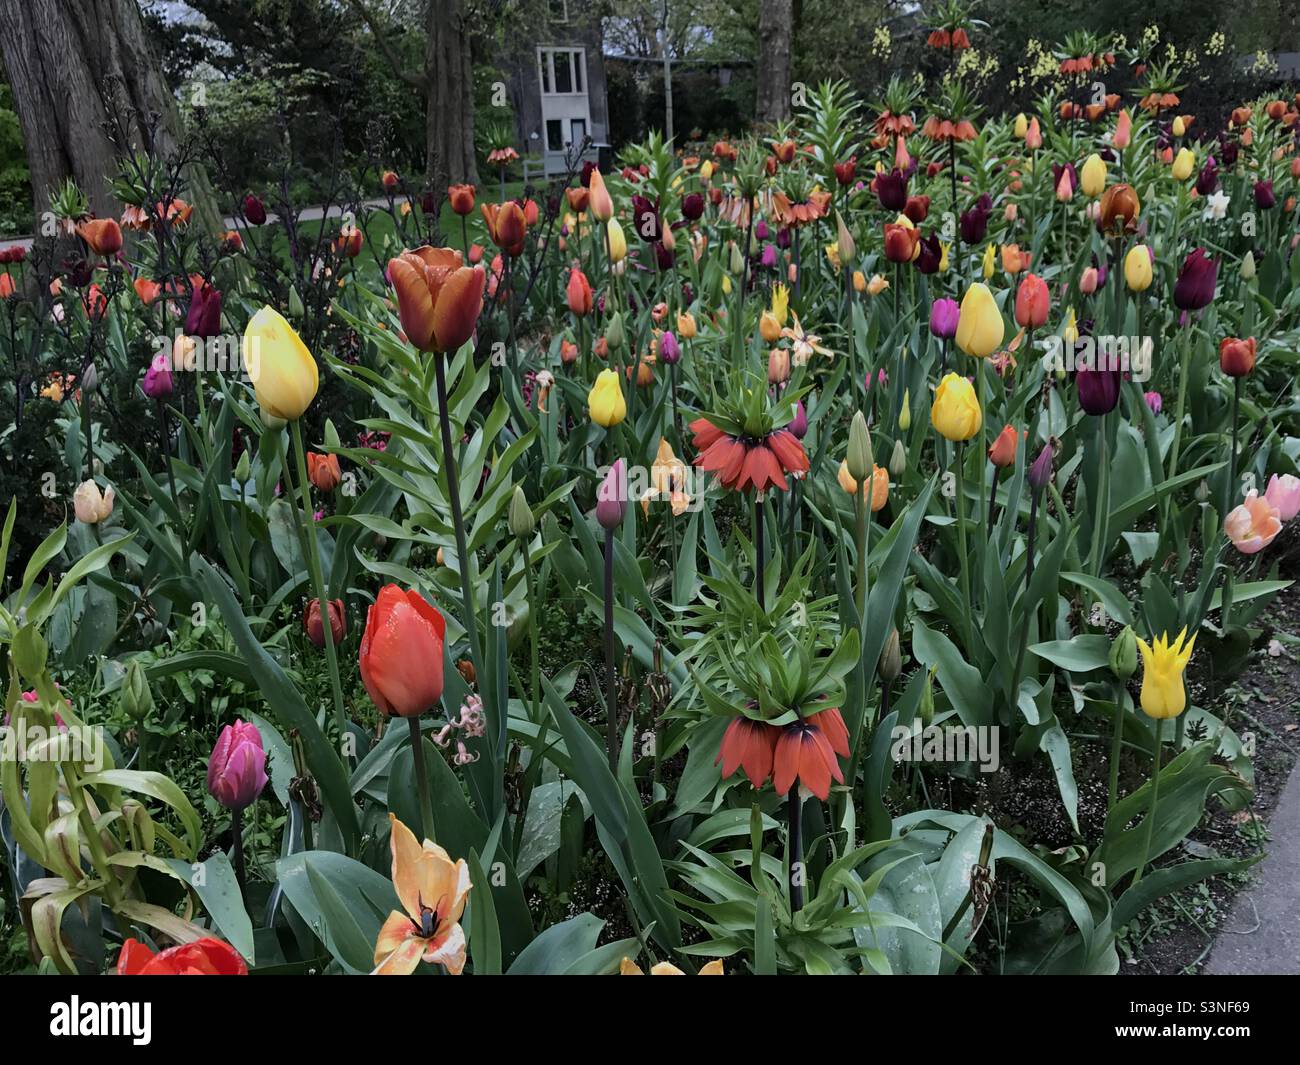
<point>898,460</point>
<point>243,469</point>
<point>521,519</point>
<point>89,379</point>
<point>925,711</point>
<point>237,768</point>
<point>891,659</point>
<point>296,309</point>
<point>1123,654</point>
<point>614,331</point>
<point>905,412</point>
<point>1248,267</point>
<point>1040,473</point>
<point>611,497</point>
<point>135,698</point>
<point>737,260</point>
<point>844,240</point>
<point>1203,492</point>
<point>859,456</point>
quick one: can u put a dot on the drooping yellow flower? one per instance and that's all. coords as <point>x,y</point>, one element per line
<point>780,304</point>
<point>804,345</point>
<point>667,480</point>
<point>833,256</point>
<point>955,413</point>
<point>980,327</point>
<point>627,967</point>
<point>432,890</point>
<point>1163,694</point>
<point>878,284</point>
<point>283,372</point>
<point>605,402</point>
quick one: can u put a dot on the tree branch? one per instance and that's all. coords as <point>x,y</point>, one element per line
<point>419,81</point>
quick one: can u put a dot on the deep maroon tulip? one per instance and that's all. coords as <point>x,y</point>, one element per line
<point>692,206</point>
<point>664,256</point>
<point>975,220</point>
<point>254,210</point>
<point>1194,289</point>
<point>645,220</point>
<point>931,254</point>
<point>1265,199</point>
<point>1098,390</point>
<point>891,190</point>
<point>944,314</point>
<point>798,425</point>
<point>204,317</point>
<point>1229,152</point>
<point>1208,179</point>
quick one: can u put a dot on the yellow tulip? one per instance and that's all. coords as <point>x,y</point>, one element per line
<point>706,169</point>
<point>990,262</point>
<point>1092,176</point>
<point>1071,334</point>
<point>1179,127</point>
<point>956,412</point>
<point>281,368</point>
<point>1137,268</point>
<point>859,281</point>
<point>605,402</point>
<point>1184,164</point>
<point>1163,694</point>
<point>768,327</point>
<point>686,327</point>
<point>780,304</point>
<point>1021,126</point>
<point>943,257</point>
<point>617,241</point>
<point>980,326</point>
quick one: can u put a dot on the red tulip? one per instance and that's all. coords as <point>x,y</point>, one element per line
<point>203,957</point>
<point>1237,357</point>
<point>311,621</point>
<point>462,199</point>
<point>900,242</point>
<point>1032,302</point>
<point>401,653</point>
<point>237,768</point>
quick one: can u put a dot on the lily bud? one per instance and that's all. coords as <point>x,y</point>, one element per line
<point>859,456</point>
<point>521,519</point>
<point>135,698</point>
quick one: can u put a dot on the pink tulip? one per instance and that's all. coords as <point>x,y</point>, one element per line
<point>237,768</point>
<point>1283,495</point>
<point>1252,526</point>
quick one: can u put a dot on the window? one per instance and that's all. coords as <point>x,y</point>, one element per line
<point>577,130</point>
<point>554,135</point>
<point>563,71</point>
<point>559,10</point>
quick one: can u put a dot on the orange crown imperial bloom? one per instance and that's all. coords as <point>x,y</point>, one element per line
<point>432,890</point>
<point>745,462</point>
<point>401,653</point>
<point>438,298</point>
<point>806,752</point>
<point>749,745</point>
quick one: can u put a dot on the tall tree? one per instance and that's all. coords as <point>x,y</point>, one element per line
<point>68,64</point>
<point>775,29</point>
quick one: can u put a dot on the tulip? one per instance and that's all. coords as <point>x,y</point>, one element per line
<point>980,327</point>
<point>1194,289</point>
<point>462,199</point>
<point>1033,301</point>
<point>1283,495</point>
<point>1163,695</point>
<point>611,496</point>
<point>89,505</point>
<point>877,284</point>
<point>1237,357</point>
<point>917,209</point>
<point>1034,135</point>
<point>600,204</point>
<point>1098,390</point>
<point>1265,199</point>
<point>1137,268</point>
<point>900,242</point>
<point>686,326</point>
<point>1021,126</point>
<point>1092,176</point>
<point>605,402</point>
<point>401,657</point>
<point>157,383</point>
<point>879,485</point>
<point>283,372</point>
<point>692,206</point>
<point>1014,260</point>
<point>1002,453</point>
<point>1184,164</point>
<point>1123,130</point>
<point>955,413</point>
<point>204,316</point>
<point>944,317</point>
<point>859,281</point>
<point>1089,280</point>
<point>988,263</point>
<point>438,298</point>
<point>768,327</point>
<point>669,350</point>
<point>1248,266</point>
<point>798,425</point>
<point>844,240</point>
<point>1040,471</point>
<point>1119,209</point>
<point>202,957</point>
<point>579,293</point>
<point>102,235</point>
<point>237,767</point>
<point>891,189</point>
<point>859,459</point>
<point>311,622</point>
<point>323,471</point>
<point>616,240</point>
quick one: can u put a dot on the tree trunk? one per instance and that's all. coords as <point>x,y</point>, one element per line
<point>668,79</point>
<point>67,64</point>
<point>775,23</point>
<point>449,122</point>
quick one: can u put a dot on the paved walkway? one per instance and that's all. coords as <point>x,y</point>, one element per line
<point>1262,935</point>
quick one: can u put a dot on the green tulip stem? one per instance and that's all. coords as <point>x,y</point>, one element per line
<point>530,586</point>
<point>1116,745</point>
<point>421,777</point>
<point>1102,502</point>
<point>317,578</point>
<point>1155,799</point>
<point>961,541</point>
<point>457,519</point>
<point>1184,362</point>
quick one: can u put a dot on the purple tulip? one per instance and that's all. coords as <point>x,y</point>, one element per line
<point>237,768</point>
<point>1230,151</point>
<point>769,255</point>
<point>760,230</point>
<point>975,221</point>
<point>1154,401</point>
<point>1040,472</point>
<point>891,190</point>
<point>799,423</point>
<point>664,256</point>
<point>669,350</point>
<point>783,240</point>
<point>692,206</point>
<point>204,317</point>
<point>1265,199</point>
<point>1194,289</point>
<point>944,314</point>
<point>157,383</point>
<point>1098,390</point>
<point>611,496</point>
<point>1208,179</point>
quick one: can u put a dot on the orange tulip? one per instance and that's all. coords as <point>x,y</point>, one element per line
<point>506,226</point>
<point>578,198</point>
<point>323,471</point>
<point>102,235</point>
<point>599,201</point>
<point>1003,451</point>
<point>1237,357</point>
<point>401,653</point>
<point>438,298</point>
<point>462,199</point>
<point>1014,260</point>
<point>1123,130</point>
<point>579,293</point>
<point>1032,302</point>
